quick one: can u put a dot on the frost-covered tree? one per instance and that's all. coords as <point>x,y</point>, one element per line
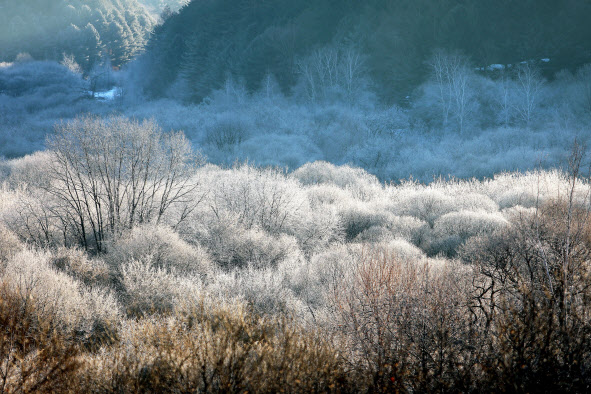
<point>114,173</point>
<point>452,77</point>
<point>333,72</point>
<point>529,92</point>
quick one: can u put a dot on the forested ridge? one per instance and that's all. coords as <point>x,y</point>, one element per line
<point>91,30</point>
<point>208,40</point>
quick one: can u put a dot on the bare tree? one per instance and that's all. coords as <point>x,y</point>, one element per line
<point>452,77</point>
<point>505,99</point>
<point>111,174</point>
<point>530,85</point>
<point>333,70</point>
<point>583,78</point>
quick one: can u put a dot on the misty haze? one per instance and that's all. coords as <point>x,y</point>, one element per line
<point>295,195</point>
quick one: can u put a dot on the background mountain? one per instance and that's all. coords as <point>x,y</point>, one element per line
<point>88,29</point>
<point>208,40</point>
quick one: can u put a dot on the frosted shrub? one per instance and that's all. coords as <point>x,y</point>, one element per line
<point>518,212</point>
<point>374,234</point>
<point>313,281</point>
<point>77,264</point>
<point>264,290</point>
<point>509,190</point>
<point>8,201</point>
<point>429,204</point>
<point>321,172</point>
<point>300,278</point>
<point>531,188</point>
<point>53,292</point>
<point>226,133</point>
<point>426,205</point>
<point>320,228</point>
<point>359,217</point>
<point>30,170</point>
<point>162,246</point>
<point>404,250</point>
<point>468,223</point>
<point>329,266</point>
<point>262,198</point>
<point>322,195</point>
<point>452,229</point>
<point>149,289</point>
<point>232,246</point>
<point>474,202</point>
<point>409,228</point>
<point>260,250</point>
<point>9,244</point>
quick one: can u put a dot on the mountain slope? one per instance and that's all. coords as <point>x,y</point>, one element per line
<point>211,39</point>
<point>88,29</point>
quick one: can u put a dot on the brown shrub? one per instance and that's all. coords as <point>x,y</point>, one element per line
<point>534,299</point>
<point>215,350</point>
<point>406,324</point>
<point>34,356</point>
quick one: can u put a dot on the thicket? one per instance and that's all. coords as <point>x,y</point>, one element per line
<point>323,279</point>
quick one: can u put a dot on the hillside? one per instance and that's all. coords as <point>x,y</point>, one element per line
<point>87,29</point>
<point>208,40</point>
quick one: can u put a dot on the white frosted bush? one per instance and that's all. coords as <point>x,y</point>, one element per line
<point>328,266</point>
<point>8,201</point>
<point>320,228</point>
<point>430,203</point>
<point>150,289</point>
<point>452,229</point>
<point>321,195</point>
<point>358,217</point>
<point>404,250</point>
<point>30,274</point>
<point>232,246</point>
<point>29,170</point>
<point>76,263</point>
<point>359,182</point>
<point>321,172</point>
<point>9,244</point>
<point>263,198</point>
<point>517,212</point>
<point>264,290</point>
<point>374,234</point>
<point>147,288</point>
<point>474,202</point>
<point>426,205</point>
<point>531,188</point>
<point>162,246</point>
<point>468,223</point>
<point>409,228</point>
